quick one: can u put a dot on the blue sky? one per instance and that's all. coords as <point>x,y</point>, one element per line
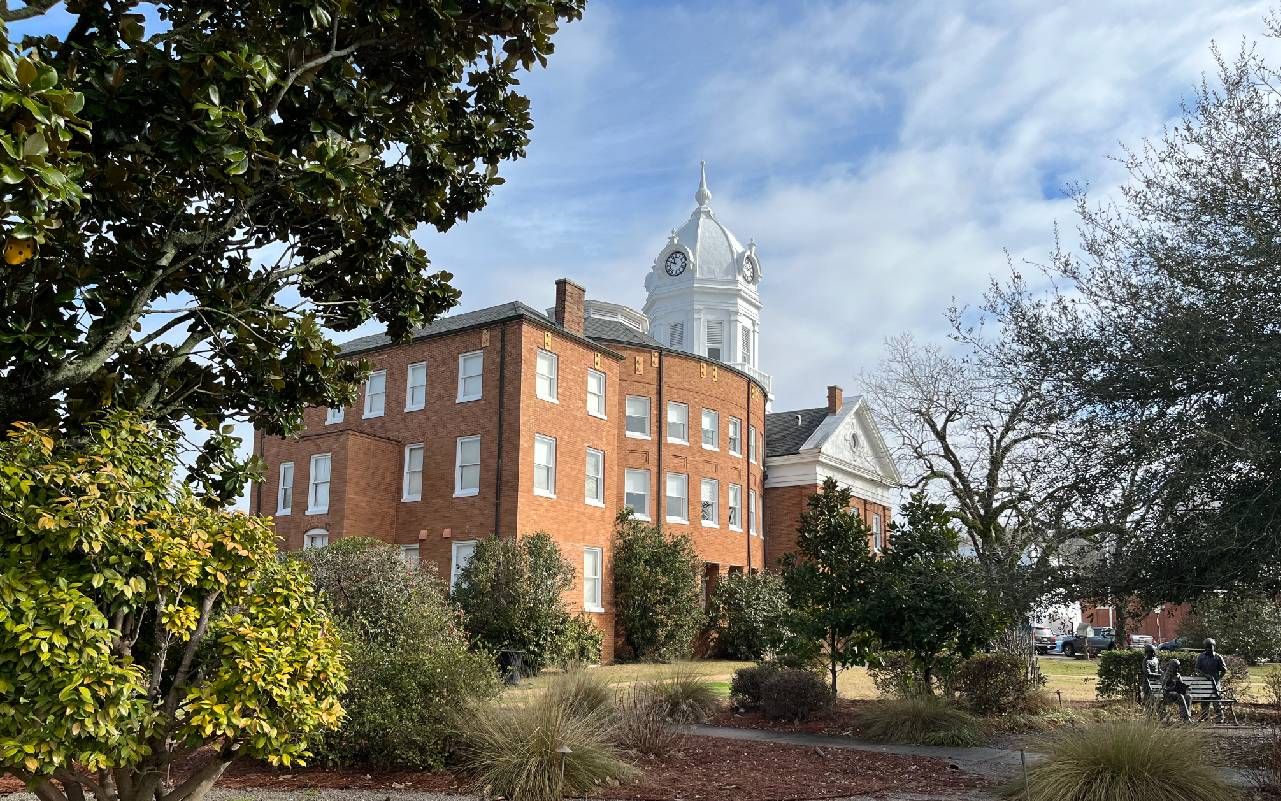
<point>884,156</point>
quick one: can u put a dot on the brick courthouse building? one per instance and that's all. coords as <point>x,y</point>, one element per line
<point>507,421</point>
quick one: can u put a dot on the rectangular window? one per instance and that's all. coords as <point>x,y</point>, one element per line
<point>316,538</point>
<point>318,489</point>
<point>334,416</point>
<point>710,496</point>
<point>285,495</point>
<point>546,368</point>
<point>594,487</point>
<point>467,467</point>
<point>677,498</point>
<point>416,387</point>
<point>677,423</point>
<point>636,492</point>
<point>715,339</point>
<point>596,393</point>
<point>460,555</point>
<point>736,436</point>
<point>711,430</point>
<point>470,367</point>
<point>412,483</point>
<point>751,444</point>
<point>878,536</point>
<point>638,416</point>
<point>735,507</point>
<point>376,394</point>
<point>753,512</point>
<point>593,560</point>
<point>676,335</point>
<point>544,466</point>
<point>409,553</point>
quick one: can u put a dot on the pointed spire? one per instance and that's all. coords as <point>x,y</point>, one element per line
<point>703,195</point>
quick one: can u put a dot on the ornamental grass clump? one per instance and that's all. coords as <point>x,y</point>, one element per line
<point>921,720</point>
<point>641,723</point>
<point>580,691</point>
<point>1127,760</point>
<point>539,751</point>
<point>685,696</point>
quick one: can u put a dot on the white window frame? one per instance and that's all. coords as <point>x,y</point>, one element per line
<point>552,395</point>
<point>463,359</point>
<point>591,395</point>
<point>640,514</point>
<point>334,415</point>
<point>550,490</point>
<point>751,444</point>
<point>310,538</point>
<point>683,517</point>
<point>314,508</point>
<point>411,554</point>
<point>461,491</point>
<point>715,485</point>
<point>599,499</point>
<point>715,429</point>
<point>878,534</point>
<point>671,405</point>
<point>628,417</point>
<point>734,436</point>
<point>454,567</point>
<point>285,500</point>
<point>406,494</point>
<point>381,394</point>
<point>734,500</point>
<point>593,558</point>
<point>753,511</point>
<point>412,405</point>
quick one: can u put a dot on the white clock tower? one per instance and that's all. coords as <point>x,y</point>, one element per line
<point>702,291</point>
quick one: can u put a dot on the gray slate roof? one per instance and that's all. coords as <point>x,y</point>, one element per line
<point>615,331</point>
<point>454,322</point>
<point>785,435</point>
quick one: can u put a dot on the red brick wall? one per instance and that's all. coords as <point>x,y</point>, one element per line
<point>1160,627</point>
<point>783,508</point>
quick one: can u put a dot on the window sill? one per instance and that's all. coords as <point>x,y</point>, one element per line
<point>468,399</point>
<point>600,504</point>
<point>737,454</point>
<point>284,512</point>
<point>548,400</point>
<point>709,524</point>
<point>634,435</point>
<point>466,493</point>
<point>673,441</point>
<point>410,499</point>
<point>414,408</point>
<point>333,422</point>
<point>642,518</point>
<point>738,529</point>
<point>324,511</point>
<point>707,447</point>
<point>372,416</point>
<point>544,494</point>
<point>682,520</point>
<point>595,610</point>
<point>590,413</point>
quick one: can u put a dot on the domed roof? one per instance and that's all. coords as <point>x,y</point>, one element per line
<point>712,249</point>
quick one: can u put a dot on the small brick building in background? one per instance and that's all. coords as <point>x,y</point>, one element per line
<point>507,421</point>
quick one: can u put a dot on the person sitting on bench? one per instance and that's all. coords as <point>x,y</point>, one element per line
<point>1151,663</point>
<point>1177,690</point>
<point>1212,666</point>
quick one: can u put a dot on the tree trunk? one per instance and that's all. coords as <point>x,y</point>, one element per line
<point>831,655</point>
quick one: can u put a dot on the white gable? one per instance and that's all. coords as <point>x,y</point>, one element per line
<point>846,446</point>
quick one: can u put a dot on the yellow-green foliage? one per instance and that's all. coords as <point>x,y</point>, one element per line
<point>1126,760</point>
<point>135,620</point>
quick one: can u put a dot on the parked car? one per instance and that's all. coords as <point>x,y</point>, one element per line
<point>1043,639</point>
<point>1103,639</point>
<point>1140,640</point>
<point>1171,645</point>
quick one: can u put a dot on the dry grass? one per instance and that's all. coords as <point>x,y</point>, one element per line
<point>581,691</point>
<point>641,723</point>
<point>923,720</point>
<point>686,696</point>
<point>1128,760</point>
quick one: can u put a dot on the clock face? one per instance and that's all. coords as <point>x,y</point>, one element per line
<point>676,263</point>
<point>749,271</point>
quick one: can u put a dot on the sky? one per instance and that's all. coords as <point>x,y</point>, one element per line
<point>886,157</point>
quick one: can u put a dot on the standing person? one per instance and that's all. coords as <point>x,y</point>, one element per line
<point>1176,690</point>
<point>1211,665</point>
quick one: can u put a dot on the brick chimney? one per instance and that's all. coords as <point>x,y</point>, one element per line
<point>569,305</point>
<point>835,399</point>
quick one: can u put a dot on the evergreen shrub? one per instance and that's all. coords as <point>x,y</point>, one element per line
<point>747,613</point>
<point>656,591</point>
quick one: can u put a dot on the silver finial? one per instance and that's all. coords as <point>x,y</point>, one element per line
<point>703,194</point>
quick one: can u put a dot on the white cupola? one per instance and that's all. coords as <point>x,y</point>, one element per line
<point>702,294</point>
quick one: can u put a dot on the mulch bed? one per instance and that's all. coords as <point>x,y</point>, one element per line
<point>700,768</point>
<point>840,720</point>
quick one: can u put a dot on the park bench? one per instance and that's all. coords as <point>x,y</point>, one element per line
<point>1200,691</point>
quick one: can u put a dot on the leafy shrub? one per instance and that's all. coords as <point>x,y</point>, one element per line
<point>996,682</point>
<point>1126,760</point>
<point>411,670</point>
<point>1120,674</point>
<point>685,696</point>
<point>897,675</point>
<point>656,591</point>
<point>748,612</point>
<point>581,642</point>
<point>512,597</point>
<point>921,720</point>
<point>511,750</point>
<point>1244,626</point>
<point>642,723</point>
<point>745,688</point>
<point>791,694</point>
<point>580,691</point>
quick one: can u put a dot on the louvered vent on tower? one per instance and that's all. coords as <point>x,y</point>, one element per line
<point>715,339</point>
<point>676,335</point>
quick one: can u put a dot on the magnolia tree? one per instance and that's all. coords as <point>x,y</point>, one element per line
<point>139,624</point>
